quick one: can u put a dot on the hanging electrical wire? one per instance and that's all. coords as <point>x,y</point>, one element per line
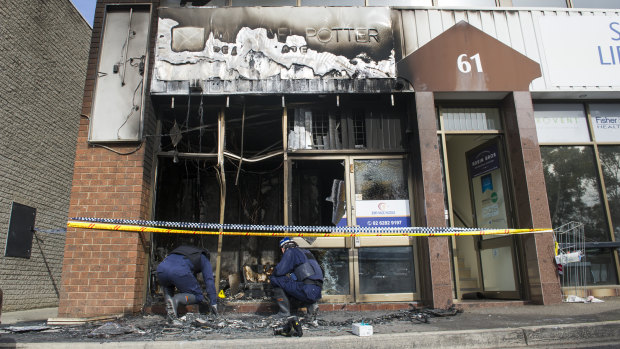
<point>134,108</point>
<point>118,152</point>
<point>241,151</point>
<point>186,123</point>
<point>200,115</point>
<point>280,164</point>
<point>125,48</point>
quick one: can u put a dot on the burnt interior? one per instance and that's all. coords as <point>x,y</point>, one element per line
<point>188,185</point>
<point>312,184</point>
<point>189,180</point>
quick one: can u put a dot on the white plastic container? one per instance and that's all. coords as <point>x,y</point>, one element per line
<point>362,330</point>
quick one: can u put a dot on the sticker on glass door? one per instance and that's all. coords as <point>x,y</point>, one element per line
<point>383,213</point>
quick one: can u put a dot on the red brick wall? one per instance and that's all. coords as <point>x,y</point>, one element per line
<point>104,272</point>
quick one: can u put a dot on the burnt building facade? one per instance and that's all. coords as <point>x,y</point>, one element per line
<point>397,115</point>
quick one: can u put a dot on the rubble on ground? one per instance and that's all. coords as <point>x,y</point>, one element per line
<point>195,326</point>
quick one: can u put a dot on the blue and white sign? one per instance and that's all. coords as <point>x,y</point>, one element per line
<point>484,161</point>
<point>580,50</point>
<point>485,178</point>
<point>383,213</point>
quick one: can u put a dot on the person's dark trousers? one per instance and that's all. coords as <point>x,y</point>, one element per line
<point>305,293</point>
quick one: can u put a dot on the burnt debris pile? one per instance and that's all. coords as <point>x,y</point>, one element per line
<point>195,326</point>
<point>413,315</point>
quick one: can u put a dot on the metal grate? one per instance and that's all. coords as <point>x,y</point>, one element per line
<point>315,129</point>
<point>571,260</point>
<point>320,130</point>
<point>332,129</point>
<point>359,129</point>
<point>464,119</point>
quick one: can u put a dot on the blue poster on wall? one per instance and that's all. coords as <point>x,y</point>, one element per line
<point>486,182</point>
<point>483,161</point>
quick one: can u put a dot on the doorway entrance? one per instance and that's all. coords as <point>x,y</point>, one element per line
<point>478,196</point>
<point>365,191</point>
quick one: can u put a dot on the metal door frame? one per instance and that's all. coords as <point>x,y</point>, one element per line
<point>350,242</point>
<point>381,241</point>
<point>327,242</point>
<point>496,241</point>
<point>498,134</point>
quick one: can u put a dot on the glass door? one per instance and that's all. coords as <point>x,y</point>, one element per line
<point>384,267</point>
<point>361,191</point>
<point>477,195</point>
<point>490,203</point>
<point>317,192</point>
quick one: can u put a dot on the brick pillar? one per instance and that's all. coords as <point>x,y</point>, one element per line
<point>436,278</point>
<point>105,272</point>
<point>532,208</point>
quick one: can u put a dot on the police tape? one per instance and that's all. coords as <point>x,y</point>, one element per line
<point>293,231</point>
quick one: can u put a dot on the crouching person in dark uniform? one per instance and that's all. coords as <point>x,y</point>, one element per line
<point>298,275</point>
<point>179,269</point>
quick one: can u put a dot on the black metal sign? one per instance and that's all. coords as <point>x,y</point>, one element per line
<point>21,228</point>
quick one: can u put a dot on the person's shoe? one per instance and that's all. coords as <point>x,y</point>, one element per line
<point>284,308</point>
<point>182,298</point>
<point>289,327</point>
<point>312,309</point>
<point>171,310</point>
<point>296,329</point>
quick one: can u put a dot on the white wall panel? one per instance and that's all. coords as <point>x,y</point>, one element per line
<point>501,27</point>
<point>423,27</point>
<point>488,23</point>
<point>459,16</point>
<point>447,19</point>
<point>530,44</point>
<point>410,32</point>
<point>473,17</point>
<point>514,30</point>
<point>435,23</point>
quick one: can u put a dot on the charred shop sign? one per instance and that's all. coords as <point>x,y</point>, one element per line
<point>258,43</point>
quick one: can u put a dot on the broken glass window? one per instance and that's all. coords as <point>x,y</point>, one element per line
<point>335,265</point>
<point>381,179</point>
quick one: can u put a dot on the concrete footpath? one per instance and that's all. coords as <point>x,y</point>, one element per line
<point>600,334</point>
<point>33,315</point>
<point>567,325</point>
